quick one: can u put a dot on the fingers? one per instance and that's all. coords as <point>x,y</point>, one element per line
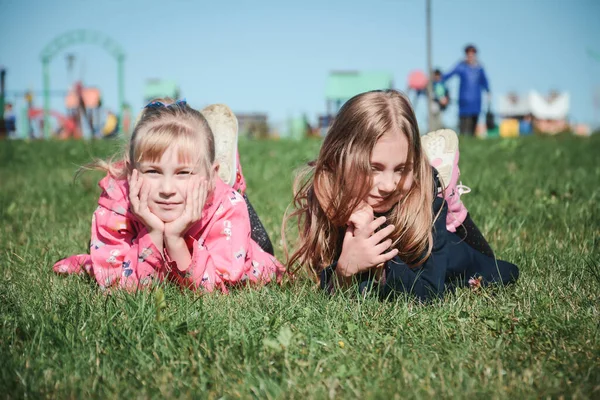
<point>383,246</point>
<point>385,257</point>
<point>365,208</point>
<point>362,215</point>
<point>201,197</point>
<point>188,205</point>
<point>145,192</point>
<point>194,203</point>
<point>368,210</point>
<point>382,234</point>
<point>349,232</point>
<point>366,229</point>
<point>372,227</point>
<point>135,182</point>
<point>132,179</point>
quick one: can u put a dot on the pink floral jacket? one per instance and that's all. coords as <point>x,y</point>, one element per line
<point>123,255</point>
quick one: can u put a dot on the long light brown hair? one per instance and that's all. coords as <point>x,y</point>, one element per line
<point>329,189</point>
<point>158,128</point>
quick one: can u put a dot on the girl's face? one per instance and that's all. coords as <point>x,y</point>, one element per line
<point>168,180</point>
<point>389,164</point>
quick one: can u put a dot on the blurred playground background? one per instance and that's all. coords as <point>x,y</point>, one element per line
<point>82,69</point>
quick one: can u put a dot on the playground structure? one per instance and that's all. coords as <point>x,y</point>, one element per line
<point>72,38</point>
<point>83,116</point>
<point>343,85</point>
<point>161,88</point>
<point>83,103</point>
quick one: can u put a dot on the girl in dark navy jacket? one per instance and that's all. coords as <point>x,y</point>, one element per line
<point>373,212</point>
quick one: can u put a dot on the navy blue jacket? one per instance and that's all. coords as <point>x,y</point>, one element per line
<point>451,264</point>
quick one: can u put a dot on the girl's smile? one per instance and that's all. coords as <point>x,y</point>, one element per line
<point>168,205</point>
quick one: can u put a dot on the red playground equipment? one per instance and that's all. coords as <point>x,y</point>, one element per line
<point>82,104</point>
<point>67,125</point>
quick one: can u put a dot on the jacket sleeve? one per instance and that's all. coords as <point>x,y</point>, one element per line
<point>450,74</point>
<point>122,255</point>
<point>227,256</point>
<point>484,81</point>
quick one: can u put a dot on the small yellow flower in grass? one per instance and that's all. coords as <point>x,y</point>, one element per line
<point>341,344</point>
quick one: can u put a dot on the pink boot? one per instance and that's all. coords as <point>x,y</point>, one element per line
<point>441,148</point>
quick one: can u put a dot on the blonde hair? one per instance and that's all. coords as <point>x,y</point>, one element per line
<point>330,188</point>
<point>159,127</point>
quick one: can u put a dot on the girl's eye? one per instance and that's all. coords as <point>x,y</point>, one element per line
<point>151,171</point>
<point>184,173</point>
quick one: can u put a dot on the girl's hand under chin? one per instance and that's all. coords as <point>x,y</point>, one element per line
<point>360,219</point>
<point>363,248</point>
<point>138,198</point>
<point>197,192</point>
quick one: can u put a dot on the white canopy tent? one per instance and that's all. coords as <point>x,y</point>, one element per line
<point>553,107</point>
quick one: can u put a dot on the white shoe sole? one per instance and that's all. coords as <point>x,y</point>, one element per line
<point>224,125</point>
<point>441,145</point>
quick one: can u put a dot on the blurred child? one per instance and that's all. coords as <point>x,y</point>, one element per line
<point>372,211</point>
<point>10,120</point>
<point>441,99</point>
<point>440,91</point>
<point>526,125</point>
<point>164,213</point>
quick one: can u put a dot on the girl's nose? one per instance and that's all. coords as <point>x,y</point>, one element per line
<point>167,187</point>
<point>388,183</point>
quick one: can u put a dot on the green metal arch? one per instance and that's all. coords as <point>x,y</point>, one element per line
<point>68,39</point>
<point>81,36</point>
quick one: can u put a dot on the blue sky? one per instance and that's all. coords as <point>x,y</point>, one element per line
<point>274,56</point>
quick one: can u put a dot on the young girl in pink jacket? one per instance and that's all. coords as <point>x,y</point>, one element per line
<point>164,213</point>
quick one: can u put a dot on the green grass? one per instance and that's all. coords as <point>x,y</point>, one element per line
<point>535,199</point>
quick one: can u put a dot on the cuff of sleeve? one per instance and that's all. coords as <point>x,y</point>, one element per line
<point>170,265</point>
<point>147,250</point>
<point>326,277</point>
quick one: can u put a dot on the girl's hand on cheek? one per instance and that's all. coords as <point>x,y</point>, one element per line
<point>196,194</point>
<point>138,198</point>
<point>360,220</point>
<point>362,251</point>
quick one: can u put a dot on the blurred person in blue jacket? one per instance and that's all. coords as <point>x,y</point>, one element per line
<point>472,82</point>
